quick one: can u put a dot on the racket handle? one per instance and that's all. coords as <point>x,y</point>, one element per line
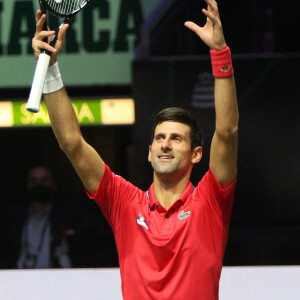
<point>33,103</point>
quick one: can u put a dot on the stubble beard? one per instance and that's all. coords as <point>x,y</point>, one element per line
<point>164,168</point>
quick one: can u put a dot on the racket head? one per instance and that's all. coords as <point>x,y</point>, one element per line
<point>64,8</point>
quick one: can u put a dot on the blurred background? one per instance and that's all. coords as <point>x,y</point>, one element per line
<point>134,58</point>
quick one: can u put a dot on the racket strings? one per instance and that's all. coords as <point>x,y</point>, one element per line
<point>64,7</point>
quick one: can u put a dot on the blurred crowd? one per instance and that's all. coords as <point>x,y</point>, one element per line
<point>48,232</point>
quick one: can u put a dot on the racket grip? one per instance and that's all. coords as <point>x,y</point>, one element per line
<point>34,100</point>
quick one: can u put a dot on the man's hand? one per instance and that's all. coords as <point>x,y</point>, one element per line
<point>211,33</point>
<point>40,34</point>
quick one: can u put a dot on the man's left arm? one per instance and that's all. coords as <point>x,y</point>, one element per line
<point>223,152</point>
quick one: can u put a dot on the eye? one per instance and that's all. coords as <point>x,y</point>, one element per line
<point>177,138</point>
<point>159,138</point>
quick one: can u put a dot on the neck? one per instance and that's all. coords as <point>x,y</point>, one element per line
<point>168,189</point>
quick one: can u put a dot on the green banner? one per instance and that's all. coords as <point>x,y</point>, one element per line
<point>88,112</point>
<point>98,49</point>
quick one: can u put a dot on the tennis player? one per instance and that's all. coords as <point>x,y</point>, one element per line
<point>170,239</point>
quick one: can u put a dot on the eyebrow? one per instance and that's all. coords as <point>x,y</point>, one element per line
<point>173,134</point>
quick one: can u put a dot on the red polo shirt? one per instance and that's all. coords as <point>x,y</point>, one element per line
<point>168,254</point>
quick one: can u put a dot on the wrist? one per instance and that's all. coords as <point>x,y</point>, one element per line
<point>219,47</point>
<point>53,60</point>
<point>53,81</point>
<point>221,62</point>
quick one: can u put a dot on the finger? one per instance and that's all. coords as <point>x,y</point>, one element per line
<point>194,27</point>
<point>38,42</point>
<point>62,32</point>
<point>211,17</point>
<point>39,45</point>
<point>38,15</point>
<point>208,19</point>
<point>40,23</point>
<point>44,34</point>
<point>212,5</point>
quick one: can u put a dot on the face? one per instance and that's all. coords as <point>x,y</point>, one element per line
<point>40,176</point>
<point>170,151</point>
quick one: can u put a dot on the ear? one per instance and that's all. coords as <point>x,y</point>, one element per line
<point>196,155</point>
<point>149,154</point>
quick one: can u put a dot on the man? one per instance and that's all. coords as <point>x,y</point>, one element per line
<point>171,239</point>
<point>34,236</point>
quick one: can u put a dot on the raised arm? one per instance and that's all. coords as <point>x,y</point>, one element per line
<point>86,161</point>
<point>223,152</point>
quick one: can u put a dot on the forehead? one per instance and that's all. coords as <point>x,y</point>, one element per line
<point>172,127</point>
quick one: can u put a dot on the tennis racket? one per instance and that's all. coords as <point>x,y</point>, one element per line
<point>66,9</point>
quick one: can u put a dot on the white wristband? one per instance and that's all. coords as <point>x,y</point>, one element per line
<point>53,81</point>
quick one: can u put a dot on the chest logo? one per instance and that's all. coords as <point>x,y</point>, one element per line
<point>183,215</point>
<point>141,221</point>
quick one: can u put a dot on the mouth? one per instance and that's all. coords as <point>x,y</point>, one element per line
<point>165,157</point>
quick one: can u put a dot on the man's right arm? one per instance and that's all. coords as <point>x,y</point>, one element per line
<point>86,161</point>
<point>84,158</point>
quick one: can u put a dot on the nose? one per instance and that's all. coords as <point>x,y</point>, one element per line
<point>166,145</point>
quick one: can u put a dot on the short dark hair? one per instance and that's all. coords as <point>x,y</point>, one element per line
<point>180,115</point>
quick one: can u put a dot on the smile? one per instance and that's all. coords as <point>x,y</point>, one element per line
<point>165,157</point>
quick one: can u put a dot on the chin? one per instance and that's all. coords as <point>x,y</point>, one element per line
<point>165,171</point>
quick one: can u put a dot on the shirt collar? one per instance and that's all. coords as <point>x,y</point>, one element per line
<point>153,202</point>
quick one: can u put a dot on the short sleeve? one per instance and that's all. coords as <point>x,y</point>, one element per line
<point>113,195</point>
<point>219,198</point>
